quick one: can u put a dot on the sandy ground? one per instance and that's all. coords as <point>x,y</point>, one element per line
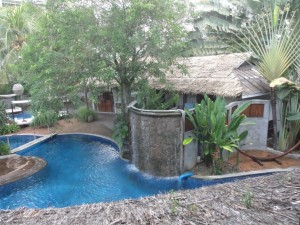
<point>246,164</point>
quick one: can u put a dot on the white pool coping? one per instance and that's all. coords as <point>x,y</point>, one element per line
<point>29,144</point>
<point>241,174</point>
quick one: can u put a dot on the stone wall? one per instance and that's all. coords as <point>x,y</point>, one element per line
<point>156,141</point>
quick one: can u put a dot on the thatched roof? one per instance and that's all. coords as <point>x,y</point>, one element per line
<point>219,75</point>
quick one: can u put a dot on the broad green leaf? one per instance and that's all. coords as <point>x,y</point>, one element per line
<point>293,116</point>
<point>188,140</point>
<point>243,135</point>
<point>228,148</point>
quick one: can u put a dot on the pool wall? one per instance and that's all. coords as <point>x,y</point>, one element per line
<point>17,140</point>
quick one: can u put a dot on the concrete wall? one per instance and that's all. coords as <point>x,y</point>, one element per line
<point>190,153</point>
<point>257,132</point>
<point>156,141</point>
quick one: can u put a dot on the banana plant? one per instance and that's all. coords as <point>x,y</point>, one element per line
<point>210,129</point>
<point>289,104</point>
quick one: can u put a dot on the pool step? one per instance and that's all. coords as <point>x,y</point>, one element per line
<point>29,144</point>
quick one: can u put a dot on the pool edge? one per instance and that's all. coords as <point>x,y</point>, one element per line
<point>249,173</point>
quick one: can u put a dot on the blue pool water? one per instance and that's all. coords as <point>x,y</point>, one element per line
<point>15,141</point>
<point>22,115</point>
<point>84,169</point>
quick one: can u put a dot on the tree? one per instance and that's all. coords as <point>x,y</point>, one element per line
<point>274,41</point>
<point>16,23</point>
<point>215,22</point>
<point>61,58</point>
<point>139,39</point>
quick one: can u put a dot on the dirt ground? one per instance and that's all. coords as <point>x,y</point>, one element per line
<point>103,126</point>
<point>246,164</point>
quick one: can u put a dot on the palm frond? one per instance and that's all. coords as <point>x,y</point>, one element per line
<point>277,47</point>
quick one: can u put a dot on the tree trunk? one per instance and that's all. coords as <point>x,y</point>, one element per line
<point>86,95</point>
<point>125,98</point>
<point>274,115</point>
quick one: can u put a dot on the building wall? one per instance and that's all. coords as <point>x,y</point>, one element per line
<point>258,129</point>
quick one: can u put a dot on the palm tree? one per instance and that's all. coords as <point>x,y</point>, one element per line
<point>16,23</point>
<point>275,42</point>
<point>214,21</point>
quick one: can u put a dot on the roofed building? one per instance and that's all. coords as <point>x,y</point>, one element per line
<point>228,76</point>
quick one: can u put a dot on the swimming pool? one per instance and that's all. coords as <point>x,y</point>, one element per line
<point>15,141</point>
<point>85,169</point>
<point>21,116</point>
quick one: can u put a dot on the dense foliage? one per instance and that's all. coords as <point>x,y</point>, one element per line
<point>215,22</point>
<point>149,98</point>
<point>139,39</point>
<point>61,58</point>
<point>17,22</point>
<point>6,126</point>
<point>273,40</point>
<point>4,148</point>
<point>84,114</point>
<point>288,101</point>
<point>120,130</point>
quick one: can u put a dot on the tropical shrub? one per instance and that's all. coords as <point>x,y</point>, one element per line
<point>6,126</point>
<point>3,116</point>
<point>84,114</point>
<point>120,130</point>
<point>47,118</point>
<point>273,40</point>
<point>9,128</point>
<point>149,98</point>
<point>210,129</point>
<point>4,148</point>
<point>288,99</point>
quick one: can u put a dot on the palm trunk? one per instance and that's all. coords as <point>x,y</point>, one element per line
<point>274,115</point>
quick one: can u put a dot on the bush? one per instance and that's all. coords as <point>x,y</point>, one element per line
<point>84,114</point>
<point>120,130</point>
<point>45,119</point>
<point>210,129</point>
<point>4,149</point>
<point>3,116</point>
<point>9,128</point>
